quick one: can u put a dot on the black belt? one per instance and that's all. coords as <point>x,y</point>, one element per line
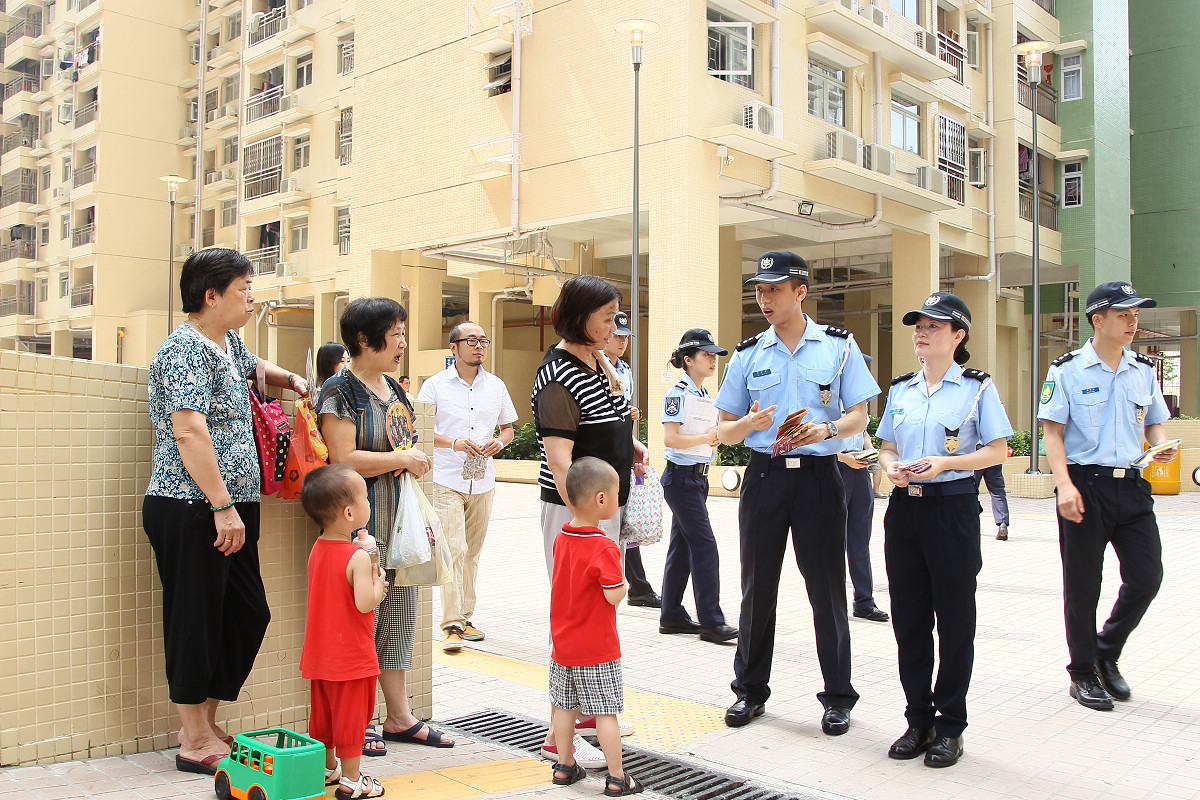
<point>943,489</point>
<point>763,461</point>
<point>1094,471</point>
<point>699,469</point>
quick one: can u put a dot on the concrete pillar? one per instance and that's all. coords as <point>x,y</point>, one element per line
<point>729,291</point>
<point>980,297</point>
<point>915,276</point>
<point>685,262</point>
<point>326,326</point>
<point>1189,365</point>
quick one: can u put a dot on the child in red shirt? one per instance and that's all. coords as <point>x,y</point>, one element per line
<point>585,659</point>
<point>338,657</point>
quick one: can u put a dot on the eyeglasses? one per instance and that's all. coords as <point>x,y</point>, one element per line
<point>474,342</point>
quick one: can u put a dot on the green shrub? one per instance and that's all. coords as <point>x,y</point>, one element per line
<point>524,446</point>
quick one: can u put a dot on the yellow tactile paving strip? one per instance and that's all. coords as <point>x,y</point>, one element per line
<point>473,780</point>
<point>661,722</point>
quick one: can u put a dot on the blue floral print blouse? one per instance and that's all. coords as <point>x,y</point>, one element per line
<point>190,371</point>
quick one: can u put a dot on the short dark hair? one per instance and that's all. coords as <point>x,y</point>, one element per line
<point>326,491</point>
<point>402,379</point>
<point>372,317</point>
<point>579,298</point>
<point>211,268</point>
<point>456,331</point>
<point>588,476</point>
<point>329,355</point>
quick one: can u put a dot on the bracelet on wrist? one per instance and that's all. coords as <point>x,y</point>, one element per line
<point>292,381</point>
<point>453,444</point>
<point>215,509</point>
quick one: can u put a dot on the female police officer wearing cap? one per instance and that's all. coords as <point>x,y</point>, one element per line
<point>693,548</point>
<point>931,425</point>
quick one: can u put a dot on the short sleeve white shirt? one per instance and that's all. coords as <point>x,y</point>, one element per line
<point>465,411</point>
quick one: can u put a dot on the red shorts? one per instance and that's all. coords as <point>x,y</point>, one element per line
<point>340,712</point>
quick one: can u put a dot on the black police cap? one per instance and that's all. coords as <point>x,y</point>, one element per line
<point>622,320</point>
<point>701,340</point>
<point>1115,294</point>
<point>944,306</point>
<point>778,266</point>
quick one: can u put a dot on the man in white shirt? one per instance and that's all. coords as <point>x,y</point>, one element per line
<point>470,404</point>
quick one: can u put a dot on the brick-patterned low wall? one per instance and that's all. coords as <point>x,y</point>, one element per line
<point>81,663</point>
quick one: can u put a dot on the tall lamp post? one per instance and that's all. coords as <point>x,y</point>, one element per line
<point>173,182</point>
<point>637,30</point>
<point>1033,52</point>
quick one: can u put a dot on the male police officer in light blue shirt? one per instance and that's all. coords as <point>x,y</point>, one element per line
<point>1097,404</point>
<point>795,364</point>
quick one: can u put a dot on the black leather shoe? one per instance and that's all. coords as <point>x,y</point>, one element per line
<point>679,626</point>
<point>1091,693</point>
<point>944,752</point>
<point>651,600</point>
<point>721,633</point>
<point>1113,681</point>
<point>914,742</point>
<point>835,721</point>
<point>741,712</point>
<point>874,614</point>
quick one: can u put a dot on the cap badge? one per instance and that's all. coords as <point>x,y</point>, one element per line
<point>932,300</point>
<point>766,263</point>
<point>1127,289</point>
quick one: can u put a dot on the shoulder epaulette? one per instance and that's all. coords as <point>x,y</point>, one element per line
<point>902,378</point>
<point>834,330</point>
<point>1145,359</point>
<point>1064,358</point>
<point>681,385</point>
<point>977,374</point>
<point>745,343</point>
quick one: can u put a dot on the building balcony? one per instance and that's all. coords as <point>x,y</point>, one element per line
<point>262,184</point>
<point>953,54</point>
<point>86,114</point>
<point>1047,206</point>
<point>1047,97</point>
<point>25,195</point>
<point>264,259</point>
<point>1048,6</point>
<point>911,55</point>
<point>896,189</point>
<point>82,295</point>
<point>264,104</point>
<point>223,56</point>
<point>262,28</point>
<point>21,250</point>
<point>16,306</point>
<point>84,174</point>
<point>84,9</point>
<point>19,86</point>
<point>83,236</point>
<point>207,237</point>
<point>20,140</point>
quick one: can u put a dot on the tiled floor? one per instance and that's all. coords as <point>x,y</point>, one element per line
<point>1027,738</point>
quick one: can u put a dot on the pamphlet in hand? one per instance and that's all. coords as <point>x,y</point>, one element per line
<point>870,455</point>
<point>1145,458</point>
<point>699,417</point>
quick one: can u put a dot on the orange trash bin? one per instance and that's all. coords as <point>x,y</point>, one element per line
<point>1164,478</point>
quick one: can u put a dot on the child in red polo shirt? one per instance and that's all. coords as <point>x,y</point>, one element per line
<point>338,656</point>
<point>585,659</point>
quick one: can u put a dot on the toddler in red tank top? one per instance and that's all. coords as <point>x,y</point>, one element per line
<point>344,586</point>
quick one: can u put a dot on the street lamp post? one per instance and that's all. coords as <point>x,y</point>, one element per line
<point>173,182</point>
<point>1033,51</point>
<point>637,30</point>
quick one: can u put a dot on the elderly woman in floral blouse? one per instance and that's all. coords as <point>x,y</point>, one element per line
<point>201,507</point>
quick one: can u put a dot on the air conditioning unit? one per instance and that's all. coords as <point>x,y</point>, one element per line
<point>283,269</point>
<point>231,109</point>
<point>60,191</point>
<point>66,112</point>
<point>184,250</point>
<point>765,119</point>
<point>879,158</point>
<point>194,53</point>
<point>928,42</point>
<point>875,14</point>
<point>849,5</point>
<point>977,167</point>
<point>289,185</point>
<point>931,178</point>
<point>187,132</point>
<point>846,146</point>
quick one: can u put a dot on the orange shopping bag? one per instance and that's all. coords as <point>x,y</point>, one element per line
<point>308,451</point>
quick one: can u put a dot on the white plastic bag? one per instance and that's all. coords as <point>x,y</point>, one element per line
<point>409,543</point>
<point>643,521</point>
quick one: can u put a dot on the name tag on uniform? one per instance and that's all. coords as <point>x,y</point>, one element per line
<point>1092,390</point>
<point>760,373</point>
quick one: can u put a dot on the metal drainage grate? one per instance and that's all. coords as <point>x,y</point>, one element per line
<point>662,774</point>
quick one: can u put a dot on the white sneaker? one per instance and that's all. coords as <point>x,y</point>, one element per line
<point>587,726</point>
<point>586,755</point>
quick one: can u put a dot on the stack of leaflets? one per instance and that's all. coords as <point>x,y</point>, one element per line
<point>791,429</point>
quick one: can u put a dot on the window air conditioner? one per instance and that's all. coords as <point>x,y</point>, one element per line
<point>846,146</point>
<point>765,119</point>
<point>59,191</point>
<point>931,178</point>
<point>928,42</point>
<point>875,14</point>
<point>977,166</point>
<point>289,185</point>
<point>183,250</point>
<point>283,269</point>
<point>849,5</point>
<point>187,132</point>
<point>879,158</point>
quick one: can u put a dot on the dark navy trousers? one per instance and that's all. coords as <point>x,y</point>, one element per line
<point>860,509</point>
<point>692,551</point>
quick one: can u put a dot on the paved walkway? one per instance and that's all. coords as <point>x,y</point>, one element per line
<point>1027,738</point>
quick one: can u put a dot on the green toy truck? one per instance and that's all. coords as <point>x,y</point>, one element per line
<point>272,764</point>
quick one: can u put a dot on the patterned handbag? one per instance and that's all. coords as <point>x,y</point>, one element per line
<point>272,433</point>
<point>643,520</point>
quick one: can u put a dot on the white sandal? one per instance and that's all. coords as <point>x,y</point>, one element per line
<point>333,776</point>
<point>366,786</point>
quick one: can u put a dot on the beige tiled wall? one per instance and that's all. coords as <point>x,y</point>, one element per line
<point>81,663</point>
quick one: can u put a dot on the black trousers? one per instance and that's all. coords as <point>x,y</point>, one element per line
<point>215,610</point>
<point>860,509</point>
<point>931,548</point>
<point>692,551</point>
<point>1121,511</point>
<point>635,573</point>
<point>808,502</point>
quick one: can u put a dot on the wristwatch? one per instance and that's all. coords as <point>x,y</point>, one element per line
<point>833,429</point>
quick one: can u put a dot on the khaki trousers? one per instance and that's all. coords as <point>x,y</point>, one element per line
<point>464,520</point>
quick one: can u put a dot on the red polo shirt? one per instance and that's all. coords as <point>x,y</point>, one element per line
<point>583,625</point>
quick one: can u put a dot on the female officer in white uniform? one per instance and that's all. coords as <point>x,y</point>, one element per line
<point>931,426</point>
<point>693,548</point>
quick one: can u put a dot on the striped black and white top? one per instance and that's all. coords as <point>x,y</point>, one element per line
<point>573,401</point>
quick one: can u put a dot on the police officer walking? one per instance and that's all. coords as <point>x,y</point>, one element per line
<point>932,424</point>
<point>693,548</point>
<point>812,381</point>
<point>1097,404</point>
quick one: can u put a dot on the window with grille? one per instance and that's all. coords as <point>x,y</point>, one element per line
<point>229,212</point>
<point>952,156</point>
<point>906,124</point>
<point>300,152</point>
<point>827,92</point>
<point>231,88</point>
<point>45,177</point>
<point>342,221</point>
<point>233,26</point>
<point>345,136</point>
<point>1072,184</point>
<point>1072,77</point>
<point>346,56</point>
<point>731,49</point>
<point>298,235</point>
<point>229,150</point>
<point>304,70</point>
<point>262,167</point>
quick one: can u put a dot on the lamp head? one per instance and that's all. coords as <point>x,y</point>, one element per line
<point>172,182</point>
<point>637,30</point>
<point>1033,51</point>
